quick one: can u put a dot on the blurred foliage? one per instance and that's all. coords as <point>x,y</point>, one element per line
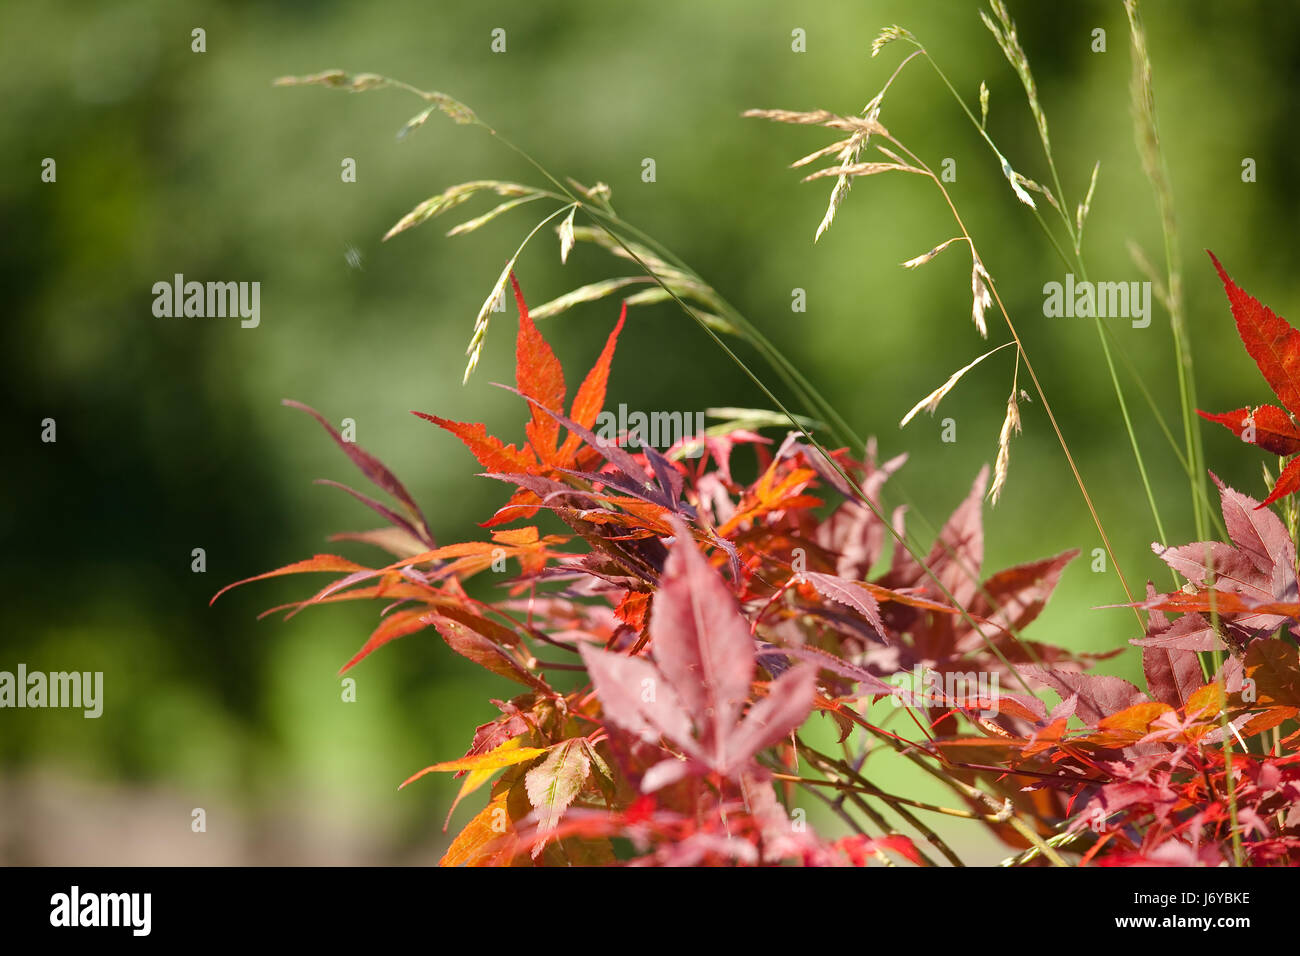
<point>170,432</point>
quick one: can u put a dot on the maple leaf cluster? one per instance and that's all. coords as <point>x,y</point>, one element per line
<point>1205,758</point>
<point>710,620</point>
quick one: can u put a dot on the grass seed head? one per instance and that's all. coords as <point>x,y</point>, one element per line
<point>1010,424</point>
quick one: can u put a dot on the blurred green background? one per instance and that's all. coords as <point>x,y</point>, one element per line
<point>170,432</point>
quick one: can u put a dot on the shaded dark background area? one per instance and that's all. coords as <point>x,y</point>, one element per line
<point>170,435</point>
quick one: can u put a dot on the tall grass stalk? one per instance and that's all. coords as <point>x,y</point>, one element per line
<point>1153,163</point>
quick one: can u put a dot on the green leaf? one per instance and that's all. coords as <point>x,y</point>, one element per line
<point>554,784</point>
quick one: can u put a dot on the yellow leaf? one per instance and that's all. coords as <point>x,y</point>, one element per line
<point>1206,702</point>
<point>476,778</point>
<point>493,760</point>
<point>1136,719</point>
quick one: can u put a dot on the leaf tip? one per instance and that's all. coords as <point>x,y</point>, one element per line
<point>1223,273</point>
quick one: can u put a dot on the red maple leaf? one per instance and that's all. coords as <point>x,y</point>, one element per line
<point>539,376</point>
<point>701,678</point>
<point>1275,347</point>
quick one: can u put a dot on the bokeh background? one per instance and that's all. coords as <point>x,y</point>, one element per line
<point>171,435</point>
